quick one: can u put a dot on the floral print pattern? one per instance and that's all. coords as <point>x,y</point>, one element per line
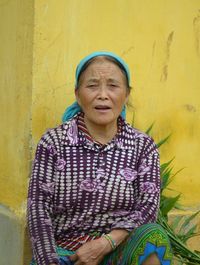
<point>136,215</point>
<point>60,164</point>
<point>91,185</point>
<point>52,150</point>
<point>149,187</point>
<point>128,173</point>
<point>118,213</point>
<point>143,168</point>
<point>88,185</point>
<point>100,173</point>
<point>48,188</point>
<point>72,133</point>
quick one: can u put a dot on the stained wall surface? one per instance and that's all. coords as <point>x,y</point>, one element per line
<point>16,27</point>
<point>16,34</point>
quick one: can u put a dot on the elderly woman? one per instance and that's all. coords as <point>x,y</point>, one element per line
<point>95,186</point>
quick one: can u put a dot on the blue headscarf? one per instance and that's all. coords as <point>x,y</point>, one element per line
<point>73,109</point>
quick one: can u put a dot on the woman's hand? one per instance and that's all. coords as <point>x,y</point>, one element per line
<point>92,252</point>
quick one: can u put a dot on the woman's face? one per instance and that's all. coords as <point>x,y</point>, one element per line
<point>102,92</point>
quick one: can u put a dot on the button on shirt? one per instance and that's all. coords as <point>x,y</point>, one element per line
<point>79,187</point>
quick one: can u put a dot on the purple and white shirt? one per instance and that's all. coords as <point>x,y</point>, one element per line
<point>79,187</point>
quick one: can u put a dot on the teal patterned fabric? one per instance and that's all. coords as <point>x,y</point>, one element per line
<point>142,242</point>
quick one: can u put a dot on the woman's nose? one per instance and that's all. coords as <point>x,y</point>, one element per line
<point>103,92</point>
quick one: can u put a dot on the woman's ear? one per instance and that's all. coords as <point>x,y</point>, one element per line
<point>127,97</point>
<point>77,95</point>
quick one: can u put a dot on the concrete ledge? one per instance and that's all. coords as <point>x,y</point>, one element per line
<point>11,238</point>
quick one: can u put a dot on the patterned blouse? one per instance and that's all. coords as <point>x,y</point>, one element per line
<point>80,189</point>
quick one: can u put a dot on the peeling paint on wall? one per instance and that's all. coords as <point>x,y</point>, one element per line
<point>167,57</point>
<point>196,26</point>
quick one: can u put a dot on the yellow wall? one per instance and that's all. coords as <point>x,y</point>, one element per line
<point>16,31</point>
<point>159,39</point>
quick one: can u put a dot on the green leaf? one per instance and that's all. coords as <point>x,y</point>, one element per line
<point>133,119</point>
<point>190,233</point>
<point>166,178</point>
<point>165,165</point>
<point>176,222</point>
<point>149,129</point>
<point>168,203</point>
<point>178,171</point>
<point>163,141</point>
<point>188,220</point>
<point>178,206</point>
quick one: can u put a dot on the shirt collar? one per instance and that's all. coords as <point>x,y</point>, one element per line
<point>75,134</point>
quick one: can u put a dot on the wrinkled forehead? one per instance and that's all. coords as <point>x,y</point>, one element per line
<point>102,66</point>
<point>102,59</point>
<point>102,56</point>
<point>102,69</point>
<point>102,62</point>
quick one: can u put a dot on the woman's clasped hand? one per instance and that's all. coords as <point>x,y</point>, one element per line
<point>92,252</point>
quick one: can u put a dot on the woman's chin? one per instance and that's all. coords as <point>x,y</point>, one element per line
<point>105,119</point>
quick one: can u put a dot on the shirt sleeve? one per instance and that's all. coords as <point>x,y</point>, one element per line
<point>146,188</point>
<point>40,203</point>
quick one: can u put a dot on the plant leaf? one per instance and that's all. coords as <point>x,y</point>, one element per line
<point>190,233</point>
<point>176,222</point>
<point>166,179</point>
<point>187,221</point>
<point>165,165</point>
<point>178,171</point>
<point>163,141</point>
<point>133,119</point>
<point>178,206</point>
<point>149,129</point>
<point>168,203</point>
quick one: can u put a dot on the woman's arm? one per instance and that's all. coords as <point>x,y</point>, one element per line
<point>119,235</point>
<point>146,190</point>
<point>40,198</point>
<point>94,251</point>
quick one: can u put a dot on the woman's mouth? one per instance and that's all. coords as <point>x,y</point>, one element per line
<point>102,108</point>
